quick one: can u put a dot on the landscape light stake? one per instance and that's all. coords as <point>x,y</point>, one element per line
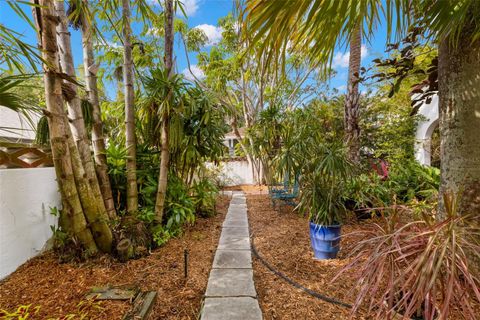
<point>185,263</point>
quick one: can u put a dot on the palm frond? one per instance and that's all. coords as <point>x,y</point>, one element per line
<point>15,53</point>
<point>318,27</point>
<point>12,100</point>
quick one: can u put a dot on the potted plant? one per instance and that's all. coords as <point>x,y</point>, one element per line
<point>325,172</point>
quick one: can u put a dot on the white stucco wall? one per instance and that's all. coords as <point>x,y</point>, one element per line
<point>234,173</point>
<point>26,196</point>
<point>18,126</point>
<point>424,131</point>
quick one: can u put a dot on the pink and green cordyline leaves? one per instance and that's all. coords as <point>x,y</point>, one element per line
<point>425,268</point>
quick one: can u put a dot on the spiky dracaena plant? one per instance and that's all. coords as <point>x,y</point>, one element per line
<point>426,268</point>
<point>325,171</point>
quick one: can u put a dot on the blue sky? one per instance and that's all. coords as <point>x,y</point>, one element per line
<point>204,14</point>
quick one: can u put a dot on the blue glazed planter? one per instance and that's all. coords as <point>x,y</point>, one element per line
<point>325,240</point>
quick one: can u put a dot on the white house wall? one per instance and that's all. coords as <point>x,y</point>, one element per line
<point>234,173</point>
<point>425,130</point>
<point>26,196</point>
<point>18,126</point>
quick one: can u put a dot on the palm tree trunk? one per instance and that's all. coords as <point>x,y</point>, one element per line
<point>132,192</point>
<point>83,168</point>
<point>93,207</point>
<point>165,152</point>
<point>98,139</point>
<point>352,99</point>
<point>76,121</point>
<point>459,106</point>
<point>72,211</point>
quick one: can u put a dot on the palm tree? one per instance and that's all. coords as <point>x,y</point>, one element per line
<point>75,114</point>
<point>16,54</point>
<point>98,139</point>
<point>72,211</point>
<point>352,99</point>
<point>165,153</point>
<point>132,192</point>
<point>317,27</point>
<point>11,99</point>
<point>15,101</point>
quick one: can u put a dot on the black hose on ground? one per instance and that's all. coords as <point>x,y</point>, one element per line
<point>296,284</point>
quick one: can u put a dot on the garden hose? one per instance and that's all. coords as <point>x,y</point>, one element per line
<point>296,284</point>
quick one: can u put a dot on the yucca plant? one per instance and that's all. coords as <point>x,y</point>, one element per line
<point>426,269</point>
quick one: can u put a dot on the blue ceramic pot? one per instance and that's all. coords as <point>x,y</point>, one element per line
<point>325,240</point>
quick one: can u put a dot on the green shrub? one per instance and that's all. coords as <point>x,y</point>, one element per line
<point>160,235</point>
<point>204,193</point>
<point>180,206</point>
<point>366,191</point>
<point>408,183</point>
<point>146,215</point>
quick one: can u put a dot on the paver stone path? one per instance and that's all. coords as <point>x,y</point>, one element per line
<point>231,293</point>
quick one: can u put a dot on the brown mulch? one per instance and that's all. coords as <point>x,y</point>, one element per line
<point>58,288</point>
<point>248,189</point>
<point>282,239</point>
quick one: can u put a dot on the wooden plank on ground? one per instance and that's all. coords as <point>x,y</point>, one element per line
<point>114,293</point>
<point>142,306</point>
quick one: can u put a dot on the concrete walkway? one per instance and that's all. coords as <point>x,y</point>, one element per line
<point>230,290</point>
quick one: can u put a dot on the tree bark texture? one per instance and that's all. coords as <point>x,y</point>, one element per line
<point>132,192</point>
<point>83,167</point>
<point>352,99</point>
<point>72,211</point>
<point>98,139</point>
<point>165,152</point>
<point>91,203</point>
<point>459,106</point>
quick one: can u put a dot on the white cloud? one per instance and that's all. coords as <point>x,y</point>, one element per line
<point>190,7</point>
<point>195,72</point>
<point>364,51</point>
<point>214,34</point>
<point>113,44</point>
<point>340,60</point>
